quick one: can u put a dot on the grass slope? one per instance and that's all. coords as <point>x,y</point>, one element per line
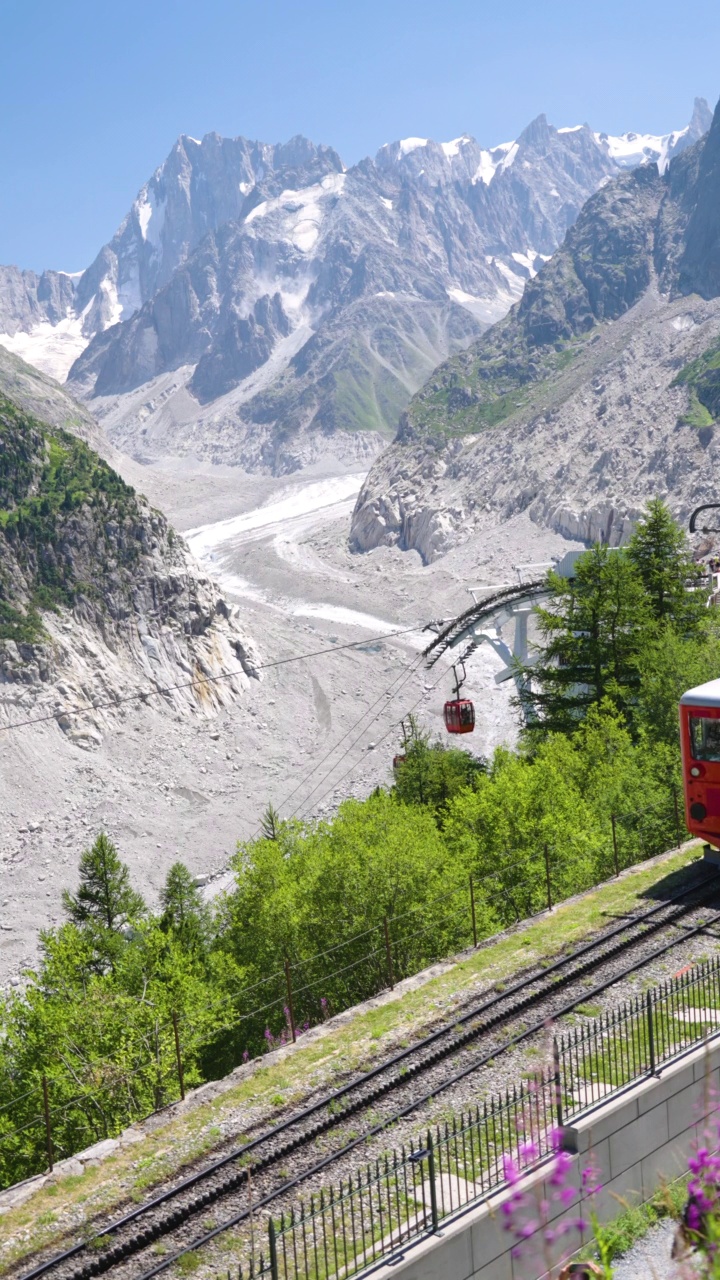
<point>702,378</point>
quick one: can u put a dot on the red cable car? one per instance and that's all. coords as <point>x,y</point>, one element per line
<point>700,745</point>
<point>459,713</point>
<point>459,716</point>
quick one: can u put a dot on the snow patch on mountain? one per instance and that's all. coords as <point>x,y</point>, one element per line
<point>51,348</point>
<point>491,307</point>
<point>629,150</point>
<point>304,210</point>
<point>151,216</point>
<point>490,162</point>
<point>453,148</point>
<point>510,158</point>
<point>407,145</point>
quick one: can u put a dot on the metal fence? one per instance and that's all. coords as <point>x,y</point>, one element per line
<point>341,1231</point>
<point>409,1192</point>
<point>632,1041</point>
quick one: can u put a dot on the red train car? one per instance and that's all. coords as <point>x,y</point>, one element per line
<point>700,743</point>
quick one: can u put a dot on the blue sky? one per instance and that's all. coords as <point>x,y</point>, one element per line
<point>93,94</point>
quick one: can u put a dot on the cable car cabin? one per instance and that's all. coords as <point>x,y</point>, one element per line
<point>459,715</point>
<point>700,744</point>
<point>398,760</point>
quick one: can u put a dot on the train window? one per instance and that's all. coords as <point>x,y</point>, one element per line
<point>705,738</point>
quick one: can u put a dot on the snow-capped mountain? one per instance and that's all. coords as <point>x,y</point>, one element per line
<point>598,391</point>
<point>258,299</point>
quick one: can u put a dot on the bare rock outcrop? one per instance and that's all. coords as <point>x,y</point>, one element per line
<point>599,389</point>
<point>100,600</point>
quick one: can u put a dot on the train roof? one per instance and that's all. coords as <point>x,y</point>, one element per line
<point>703,695</point>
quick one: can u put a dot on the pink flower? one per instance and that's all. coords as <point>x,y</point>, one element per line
<point>697,1163</point>
<point>693,1217</point>
<point>527,1229</point>
<point>563,1163</point>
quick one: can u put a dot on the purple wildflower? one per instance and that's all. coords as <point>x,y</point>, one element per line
<point>563,1162</point>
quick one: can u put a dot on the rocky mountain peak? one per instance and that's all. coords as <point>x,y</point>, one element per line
<point>596,392</point>
<point>260,304</point>
<point>537,133</point>
<point>701,119</point>
<point>699,265</point>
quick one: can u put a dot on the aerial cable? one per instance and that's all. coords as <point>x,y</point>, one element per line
<point>388,693</point>
<point>380,740</point>
<point>411,671</point>
<point>399,680</point>
<point>142,695</point>
<point>353,766</point>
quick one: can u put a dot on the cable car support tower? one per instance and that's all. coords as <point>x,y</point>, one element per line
<point>484,621</point>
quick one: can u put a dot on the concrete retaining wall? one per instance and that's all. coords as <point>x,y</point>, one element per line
<point>635,1141</point>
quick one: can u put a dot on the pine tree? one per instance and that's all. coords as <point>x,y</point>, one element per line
<point>183,908</point>
<point>592,637</point>
<point>659,551</point>
<point>271,823</point>
<point>105,898</point>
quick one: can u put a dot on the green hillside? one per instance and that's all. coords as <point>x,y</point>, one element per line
<point>69,525</point>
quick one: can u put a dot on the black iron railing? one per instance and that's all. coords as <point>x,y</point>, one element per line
<point>341,1231</point>
<point>346,1229</point>
<point>625,1044</point>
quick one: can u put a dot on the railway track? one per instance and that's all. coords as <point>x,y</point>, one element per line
<point>388,1091</point>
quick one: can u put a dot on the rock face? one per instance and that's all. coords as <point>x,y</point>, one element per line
<point>598,390</point>
<point>41,397</point>
<point>262,305</point>
<point>98,596</point>
<point>27,299</point>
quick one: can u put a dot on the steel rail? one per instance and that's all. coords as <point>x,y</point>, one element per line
<point>642,925</point>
